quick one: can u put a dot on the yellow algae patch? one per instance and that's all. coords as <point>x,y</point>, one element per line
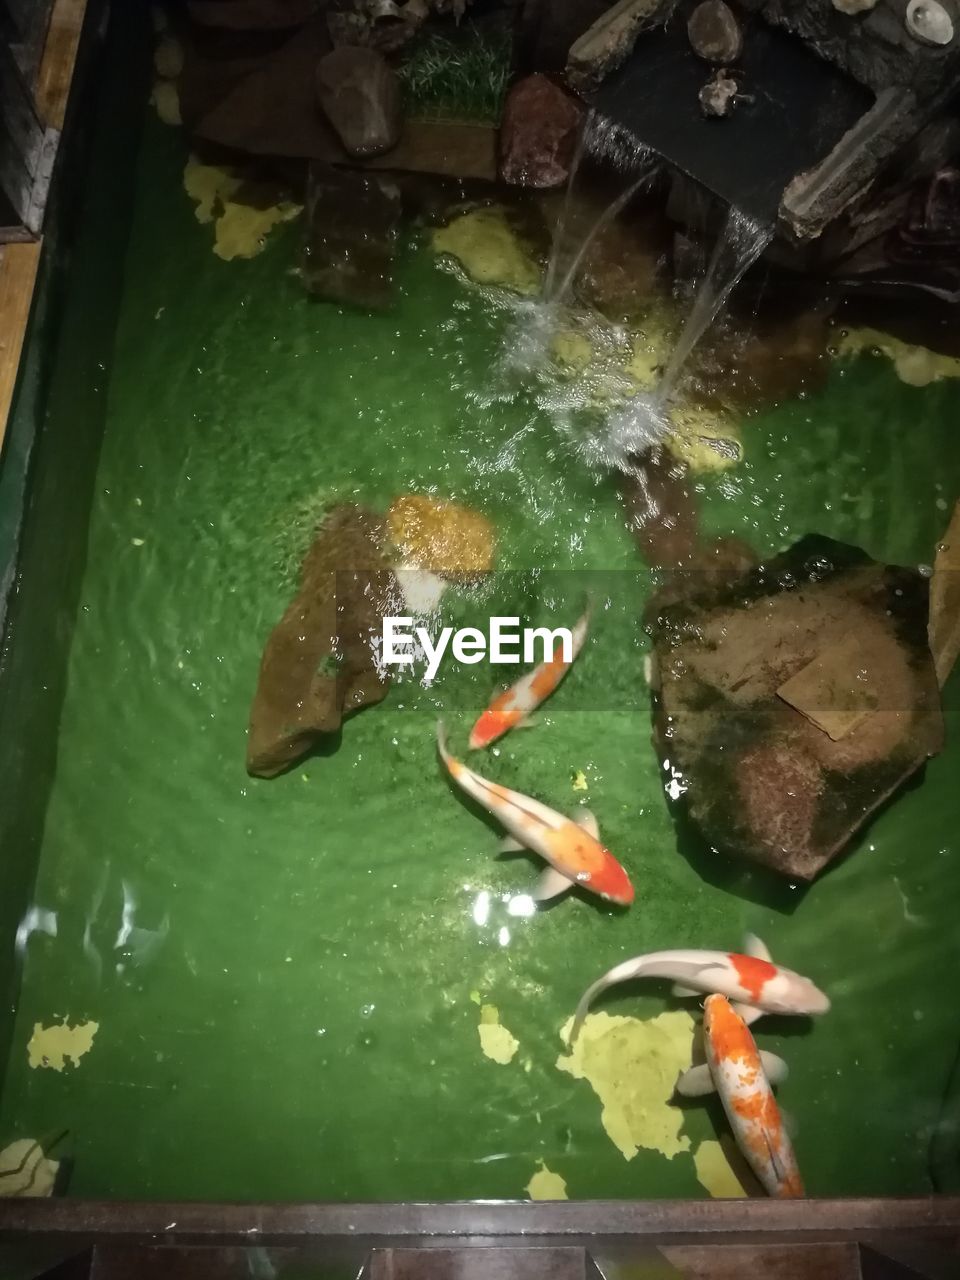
<point>650,348</point>
<point>240,230</point>
<point>25,1170</point>
<point>705,441</point>
<point>715,1172</point>
<point>495,1040</point>
<point>441,536</point>
<point>60,1043</point>
<point>165,99</point>
<point>579,781</point>
<point>545,1185</point>
<point>632,1065</point>
<point>914,365</point>
<point>489,250</point>
<point>572,350</point>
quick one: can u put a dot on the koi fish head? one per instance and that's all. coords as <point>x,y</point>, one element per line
<point>726,1033</point>
<point>611,882</point>
<point>802,996</point>
<point>491,724</point>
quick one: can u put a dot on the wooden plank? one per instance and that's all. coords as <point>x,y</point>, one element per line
<point>18,272</point>
<point>771,1262</point>
<point>59,58</point>
<point>591,1224</point>
<point>529,1263</point>
<point>446,147</point>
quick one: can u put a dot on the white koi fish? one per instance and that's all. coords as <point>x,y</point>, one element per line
<point>742,1077</point>
<point>572,851</point>
<point>752,981</point>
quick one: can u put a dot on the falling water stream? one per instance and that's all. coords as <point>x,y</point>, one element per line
<point>643,421</point>
<point>596,139</point>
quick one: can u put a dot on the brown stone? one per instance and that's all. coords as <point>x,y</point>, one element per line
<point>360,95</point>
<point>319,662</point>
<point>714,33</point>
<point>538,133</point>
<point>718,96</point>
<point>841,633</point>
<point>252,15</point>
<point>350,238</point>
<point>272,109</point>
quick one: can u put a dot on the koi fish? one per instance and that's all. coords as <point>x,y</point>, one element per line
<point>742,1076</point>
<point>752,981</point>
<point>512,708</point>
<point>573,853</point>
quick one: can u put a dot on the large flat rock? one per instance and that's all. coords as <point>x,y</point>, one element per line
<point>793,701</point>
<point>319,662</point>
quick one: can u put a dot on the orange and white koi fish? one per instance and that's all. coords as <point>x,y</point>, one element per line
<point>573,853</point>
<point>742,1076</point>
<point>515,705</point>
<point>752,981</point>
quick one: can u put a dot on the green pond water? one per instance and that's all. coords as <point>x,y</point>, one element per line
<point>284,973</point>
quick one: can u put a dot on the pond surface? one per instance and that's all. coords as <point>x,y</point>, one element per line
<point>287,976</point>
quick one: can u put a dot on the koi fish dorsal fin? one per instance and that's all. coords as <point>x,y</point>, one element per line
<point>756,948</point>
<point>587,822</point>
<point>552,884</point>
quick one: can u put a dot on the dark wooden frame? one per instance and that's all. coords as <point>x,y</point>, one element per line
<point>364,1226</point>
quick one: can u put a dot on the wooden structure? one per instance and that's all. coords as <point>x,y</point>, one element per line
<point>38,48</point>
<point>872,1239</point>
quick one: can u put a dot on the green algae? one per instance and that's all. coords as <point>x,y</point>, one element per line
<point>306,1028</point>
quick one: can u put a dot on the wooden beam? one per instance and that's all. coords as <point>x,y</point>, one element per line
<point>18,272</point>
<point>59,58</point>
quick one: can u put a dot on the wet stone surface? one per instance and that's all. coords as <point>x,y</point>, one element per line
<point>794,700</point>
<point>350,236</point>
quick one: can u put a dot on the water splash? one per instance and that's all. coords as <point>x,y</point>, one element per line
<point>741,242</point>
<point>605,140</point>
<point>536,322</point>
<point>644,420</point>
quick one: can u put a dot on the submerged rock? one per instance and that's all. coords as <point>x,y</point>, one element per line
<point>793,700</point>
<point>538,133</point>
<point>715,33</point>
<point>350,238</point>
<point>319,663</point>
<point>360,95</point>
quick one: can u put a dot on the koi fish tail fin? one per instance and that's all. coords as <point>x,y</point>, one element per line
<point>623,972</point>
